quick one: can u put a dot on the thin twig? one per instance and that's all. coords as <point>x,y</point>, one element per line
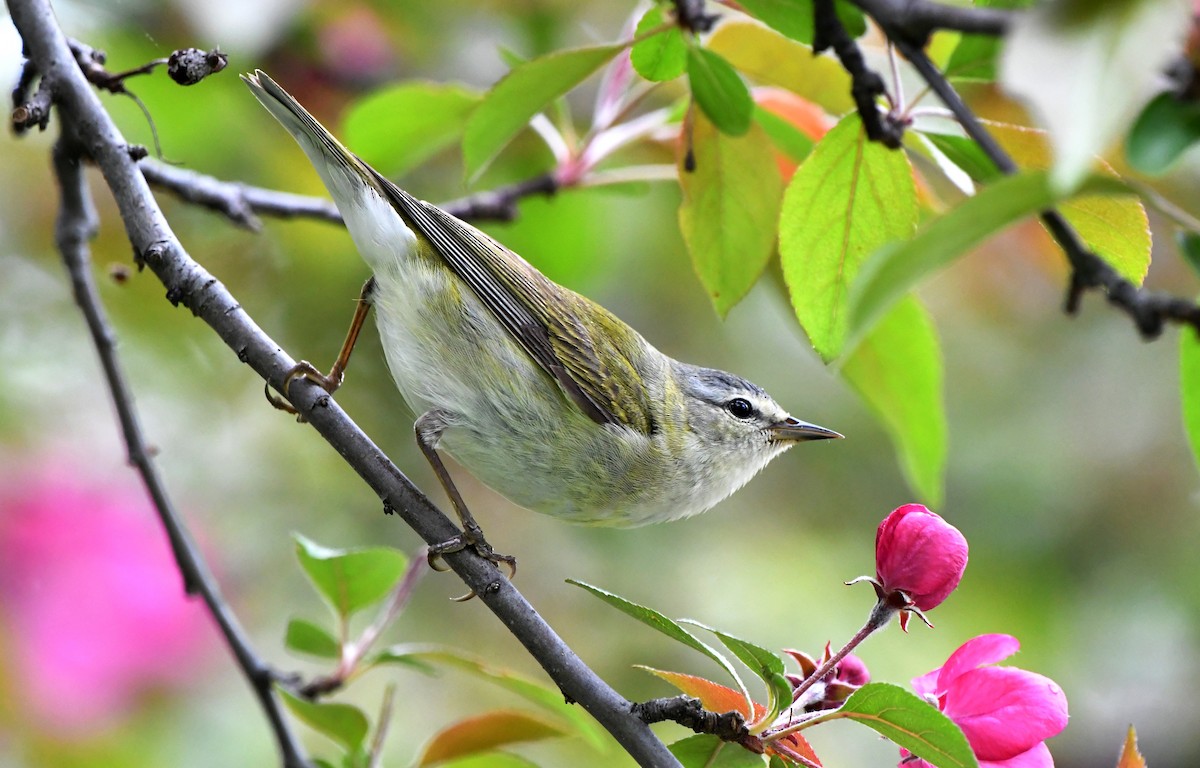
<point>241,202</point>
<point>76,225</point>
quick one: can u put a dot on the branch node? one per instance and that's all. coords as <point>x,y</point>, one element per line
<point>690,713</point>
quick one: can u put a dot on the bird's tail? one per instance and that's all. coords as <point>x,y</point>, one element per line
<point>343,173</point>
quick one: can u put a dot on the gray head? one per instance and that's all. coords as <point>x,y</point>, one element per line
<point>738,417</point>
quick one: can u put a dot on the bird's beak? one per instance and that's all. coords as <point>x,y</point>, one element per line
<point>794,430</point>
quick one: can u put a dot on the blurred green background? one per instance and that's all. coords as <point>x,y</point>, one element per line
<point>1068,469</point>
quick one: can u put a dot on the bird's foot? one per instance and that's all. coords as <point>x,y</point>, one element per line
<point>302,370</point>
<point>472,537</point>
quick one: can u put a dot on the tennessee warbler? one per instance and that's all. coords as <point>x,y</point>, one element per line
<point>541,393</point>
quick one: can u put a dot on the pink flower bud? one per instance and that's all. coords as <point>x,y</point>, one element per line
<point>919,554</point>
<point>1006,713</point>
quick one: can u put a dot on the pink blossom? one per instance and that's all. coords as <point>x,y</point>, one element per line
<point>920,556</point>
<point>94,609</point>
<point>1006,713</point>
<point>847,676</point>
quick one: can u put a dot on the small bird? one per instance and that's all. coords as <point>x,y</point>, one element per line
<point>539,392</point>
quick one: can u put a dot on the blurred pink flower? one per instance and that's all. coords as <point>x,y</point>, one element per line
<point>1006,713</point>
<point>94,609</point>
<point>919,555</point>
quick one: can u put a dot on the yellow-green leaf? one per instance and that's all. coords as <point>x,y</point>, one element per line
<point>848,198</point>
<point>1115,227</point>
<point>769,58</point>
<point>897,369</point>
<point>729,210</point>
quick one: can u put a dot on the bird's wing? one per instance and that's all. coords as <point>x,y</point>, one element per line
<point>540,315</point>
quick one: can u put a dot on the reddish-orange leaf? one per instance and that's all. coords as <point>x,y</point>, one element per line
<point>807,117</point>
<point>486,732</point>
<point>791,744</point>
<point>1130,757</point>
<point>714,696</point>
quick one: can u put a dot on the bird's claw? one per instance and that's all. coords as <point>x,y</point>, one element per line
<point>472,537</point>
<point>301,370</point>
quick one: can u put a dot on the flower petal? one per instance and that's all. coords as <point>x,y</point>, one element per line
<point>1005,711</point>
<point>1038,757</point>
<point>976,652</point>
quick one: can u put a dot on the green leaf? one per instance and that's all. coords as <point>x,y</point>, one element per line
<point>398,128</point>
<point>909,721</point>
<point>793,18</point>
<point>549,699</point>
<point>719,91</point>
<point>1166,127</point>
<point>662,56</point>
<point>344,724</point>
<point>767,57</point>
<point>730,205</point>
<point>1086,68</point>
<point>974,57</point>
<point>967,155</point>
<point>656,620</point>
<point>707,751</point>
<point>1189,387</point>
<point>304,636</point>
<point>783,134</point>
<point>897,370</point>
<point>484,733</point>
<point>766,665</point>
<point>896,267</point>
<point>851,17</point>
<point>848,198</point>
<point>350,579</point>
<point>522,93</point>
<point>1189,248</point>
<point>408,655</point>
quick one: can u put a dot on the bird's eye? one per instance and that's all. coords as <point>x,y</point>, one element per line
<point>740,408</point>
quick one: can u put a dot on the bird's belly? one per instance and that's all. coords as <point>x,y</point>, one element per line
<point>509,424</point>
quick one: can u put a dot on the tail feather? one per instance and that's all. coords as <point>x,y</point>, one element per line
<point>342,172</point>
<point>379,230</point>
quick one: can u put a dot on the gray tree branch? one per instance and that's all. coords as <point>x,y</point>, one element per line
<point>189,284</point>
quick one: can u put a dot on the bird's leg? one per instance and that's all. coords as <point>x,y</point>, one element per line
<point>332,380</point>
<point>429,429</point>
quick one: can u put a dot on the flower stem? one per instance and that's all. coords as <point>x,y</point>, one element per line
<point>879,617</point>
